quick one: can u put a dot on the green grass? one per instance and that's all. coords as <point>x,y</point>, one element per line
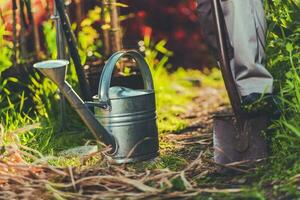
<point>6,48</point>
<point>284,60</point>
<point>275,179</point>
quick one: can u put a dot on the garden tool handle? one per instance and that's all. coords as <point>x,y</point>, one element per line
<point>105,79</point>
<point>225,66</point>
<point>242,137</point>
<point>73,51</point>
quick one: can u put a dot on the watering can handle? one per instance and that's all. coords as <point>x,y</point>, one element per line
<point>104,83</point>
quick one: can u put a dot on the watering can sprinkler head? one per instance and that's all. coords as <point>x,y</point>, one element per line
<point>55,70</point>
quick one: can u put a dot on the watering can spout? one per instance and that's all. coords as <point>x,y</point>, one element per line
<point>55,70</point>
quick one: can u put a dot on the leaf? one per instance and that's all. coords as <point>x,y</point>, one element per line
<point>105,27</point>
<point>289,47</point>
<point>86,22</point>
<point>292,128</point>
<point>13,79</point>
<point>122,5</point>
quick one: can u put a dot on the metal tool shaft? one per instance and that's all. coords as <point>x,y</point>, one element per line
<point>71,41</point>
<point>86,115</point>
<point>225,60</point>
<point>242,133</point>
<point>60,40</point>
<point>61,54</point>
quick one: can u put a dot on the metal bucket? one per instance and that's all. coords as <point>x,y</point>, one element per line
<point>127,114</point>
<point>227,142</point>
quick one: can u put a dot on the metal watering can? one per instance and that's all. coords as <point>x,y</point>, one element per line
<point>124,118</point>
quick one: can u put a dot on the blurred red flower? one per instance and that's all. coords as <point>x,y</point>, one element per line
<point>179,34</point>
<point>141,14</point>
<point>147,31</point>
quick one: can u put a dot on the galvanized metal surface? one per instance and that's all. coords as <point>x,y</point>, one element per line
<point>61,54</point>
<point>56,71</point>
<point>129,115</point>
<point>225,135</point>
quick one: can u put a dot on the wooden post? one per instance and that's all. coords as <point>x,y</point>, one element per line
<point>115,31</point>
<point>79,15</point>
<point>105,35</point>
<point>35,32</point>
<point>15,40</point>
<point>22,35</point>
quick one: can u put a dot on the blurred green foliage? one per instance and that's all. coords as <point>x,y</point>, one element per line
<point>88,37</point>
<point>5,48</point>
<point>284,59</point>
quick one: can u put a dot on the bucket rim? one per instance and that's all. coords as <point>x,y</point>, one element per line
<point>149,92</point>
